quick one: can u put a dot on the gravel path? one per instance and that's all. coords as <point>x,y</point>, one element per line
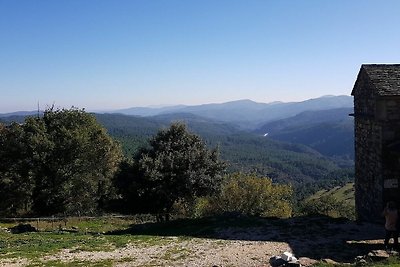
<point>193,252</point>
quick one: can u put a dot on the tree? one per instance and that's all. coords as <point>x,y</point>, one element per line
<point>16,179</point>
<point>65,157</point>
<point>176,166</point>
<point>77,174</point>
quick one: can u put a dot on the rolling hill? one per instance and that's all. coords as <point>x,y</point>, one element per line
<point>331,132</point>
<point>244,151</point>
<point>342,193</point>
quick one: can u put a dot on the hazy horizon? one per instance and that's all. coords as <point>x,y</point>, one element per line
<point>115,55</point>
<point>44,107</point>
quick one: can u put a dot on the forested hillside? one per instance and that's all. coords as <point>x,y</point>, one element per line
<point>309,117</point>
<point>12,118</point>
<point>133,132</point>
<point>249,152</point>
<point>330,132</point>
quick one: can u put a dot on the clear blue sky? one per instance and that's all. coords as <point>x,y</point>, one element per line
<point>98,54</point>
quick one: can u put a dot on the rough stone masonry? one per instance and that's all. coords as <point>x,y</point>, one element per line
<point>377,138</point>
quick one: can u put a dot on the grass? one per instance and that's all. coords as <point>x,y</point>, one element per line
<point>390,262</point>
<point>344,193</point>
<point>75,234</point>
<point>104,263</point>
<point>38,244</point>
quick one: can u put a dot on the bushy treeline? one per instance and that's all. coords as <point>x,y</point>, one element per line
<point>65,163</point>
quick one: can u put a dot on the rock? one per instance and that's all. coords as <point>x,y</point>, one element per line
<point>304,261</point>
<point>393,253</point>
<point>277,261</point>
<point>287,256</point>
<point>361,262</point>
<point>293,263</point>
<point>330,261</point>
<point>286,259</point>
<point>6,230</point>
<point>22,228</point>
<point>378,255</point>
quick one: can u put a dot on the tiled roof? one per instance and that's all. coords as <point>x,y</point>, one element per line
<point>384,77</point>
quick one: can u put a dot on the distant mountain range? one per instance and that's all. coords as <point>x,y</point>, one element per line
<point>247,114</point>
<point>20,113</point>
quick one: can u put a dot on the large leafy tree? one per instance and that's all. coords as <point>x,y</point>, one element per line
<point>176,166</point>
<point>22,148</point>
<point>65,157</point>
<point>16,178</point>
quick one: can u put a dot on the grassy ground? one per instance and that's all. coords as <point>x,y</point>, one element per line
<point>104,235</point>
<point>344,193</point>
<point>74,234</point>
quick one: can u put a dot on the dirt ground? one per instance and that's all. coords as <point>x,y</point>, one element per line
<point>309,239</point>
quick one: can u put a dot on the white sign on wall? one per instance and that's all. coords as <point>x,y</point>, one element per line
<point>391,183</point>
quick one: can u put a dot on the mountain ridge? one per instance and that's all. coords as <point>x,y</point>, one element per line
<point>244,113</point>
<point>249,114</point>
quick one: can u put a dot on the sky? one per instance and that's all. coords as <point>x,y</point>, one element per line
<point>104,55</point>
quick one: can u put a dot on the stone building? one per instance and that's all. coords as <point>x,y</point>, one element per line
<point>377,139</point>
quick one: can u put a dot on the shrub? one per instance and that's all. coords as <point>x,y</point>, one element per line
<point>329,206</point>
<point>248,194</point>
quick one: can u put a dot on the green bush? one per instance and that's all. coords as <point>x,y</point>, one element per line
<point>329,206</point>
<point>247,194</point>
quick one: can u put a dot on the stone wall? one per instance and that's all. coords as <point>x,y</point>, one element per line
<point>368,166</point>
<point>368,152</point>
<point>364,98</point>
<point>377,139</point>
<point>377,125</point>
<point>391,153</point>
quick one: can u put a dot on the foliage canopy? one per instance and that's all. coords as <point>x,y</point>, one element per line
<point>61,162</point>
